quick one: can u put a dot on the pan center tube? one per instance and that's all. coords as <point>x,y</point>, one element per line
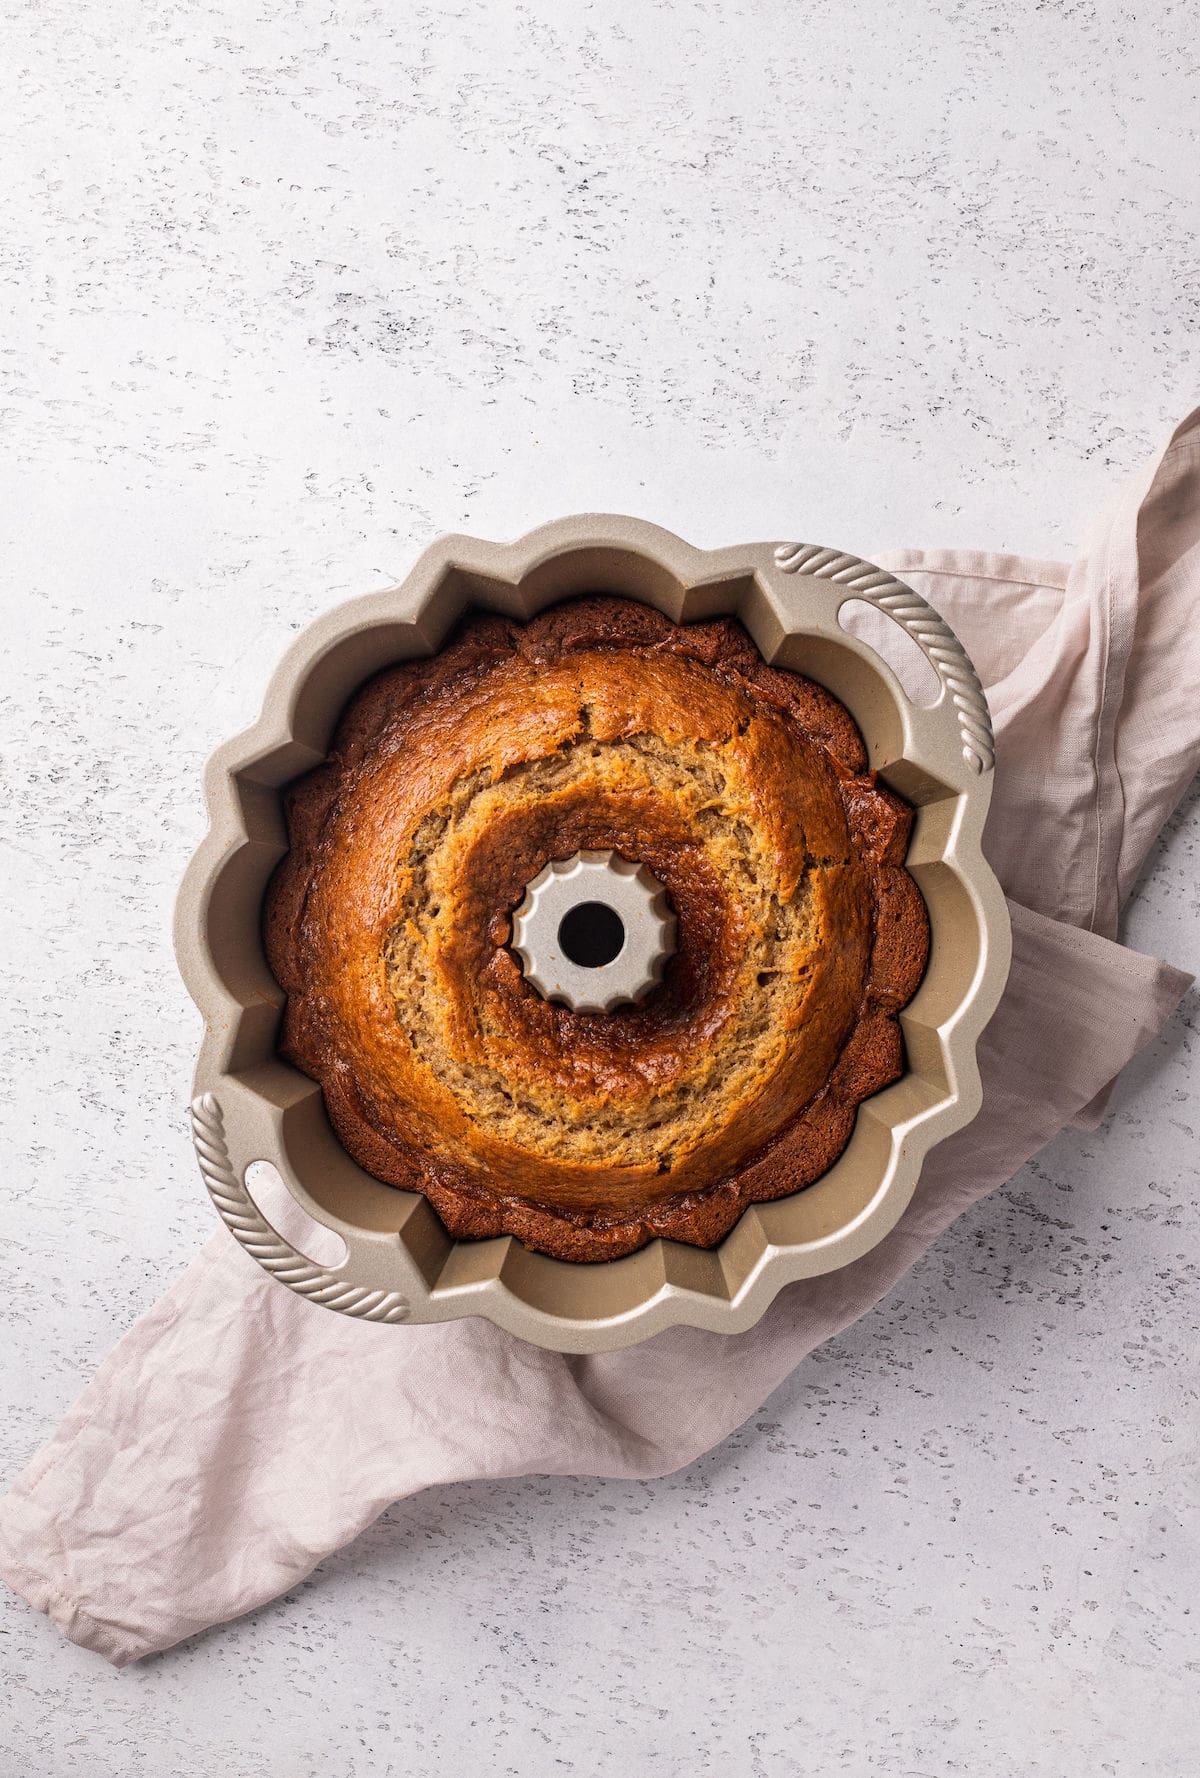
<point>594,931</point>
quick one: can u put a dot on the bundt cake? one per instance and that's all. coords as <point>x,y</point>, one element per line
<point>599,725</point>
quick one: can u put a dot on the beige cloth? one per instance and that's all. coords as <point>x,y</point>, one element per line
<point>238,1434</point>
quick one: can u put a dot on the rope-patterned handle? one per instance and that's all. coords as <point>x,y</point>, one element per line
<point>914,614</point>
<point>251,1229</point>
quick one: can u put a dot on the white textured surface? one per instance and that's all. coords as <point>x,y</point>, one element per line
<point>293,288</point>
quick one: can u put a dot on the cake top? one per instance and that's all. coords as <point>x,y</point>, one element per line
<point>742,790</point>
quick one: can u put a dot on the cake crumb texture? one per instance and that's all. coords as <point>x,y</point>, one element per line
<point>599,724</point>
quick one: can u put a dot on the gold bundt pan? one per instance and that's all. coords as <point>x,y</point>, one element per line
<point>400,1264</point>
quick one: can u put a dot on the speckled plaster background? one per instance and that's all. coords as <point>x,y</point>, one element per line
<point>289,289</point>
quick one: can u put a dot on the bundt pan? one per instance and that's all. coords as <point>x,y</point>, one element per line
<point>400,1263</point>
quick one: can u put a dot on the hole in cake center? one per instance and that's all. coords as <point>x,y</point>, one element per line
<point>591,935</point>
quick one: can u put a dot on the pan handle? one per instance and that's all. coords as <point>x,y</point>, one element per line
<point>932,634</point>
<point>250,1228</point>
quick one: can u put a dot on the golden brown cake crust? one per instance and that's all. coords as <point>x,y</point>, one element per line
<point>599,724</point>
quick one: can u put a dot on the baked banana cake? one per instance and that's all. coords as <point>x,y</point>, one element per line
<point>599,725</point>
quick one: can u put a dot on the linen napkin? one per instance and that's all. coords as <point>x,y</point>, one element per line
<point>238,1434</point>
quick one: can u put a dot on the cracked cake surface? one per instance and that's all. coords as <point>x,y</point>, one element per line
<point>450,783</point>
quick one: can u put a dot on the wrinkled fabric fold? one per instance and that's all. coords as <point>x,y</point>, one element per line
<point>238,1434</point>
